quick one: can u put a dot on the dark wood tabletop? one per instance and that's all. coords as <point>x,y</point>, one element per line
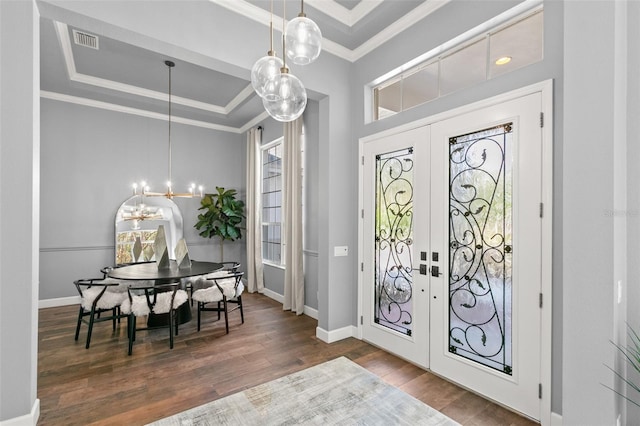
<point>150,271</point>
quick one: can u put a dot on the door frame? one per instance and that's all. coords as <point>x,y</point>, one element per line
<point>545,88</point>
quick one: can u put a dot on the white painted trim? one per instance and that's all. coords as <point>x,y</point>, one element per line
<point>30,419</point>
<point>546,316</point>
<point>556,419</point>
<point>523,91</point>
<point>311,312</point>
<point>546,90</point>
<point>335,335</point>
<point>415,16</point>
<point>341,13</point>
<point>308,311</point>
<point>135,111</point>
<point>60,301</point>
<point>263,17</point>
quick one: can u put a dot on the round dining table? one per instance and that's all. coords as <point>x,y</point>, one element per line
<point>149,271</point>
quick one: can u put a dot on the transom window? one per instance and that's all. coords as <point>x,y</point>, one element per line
<point>478,55</point>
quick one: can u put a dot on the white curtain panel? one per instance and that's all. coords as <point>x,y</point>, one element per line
<point>255,277</point>
<point>292,212</point>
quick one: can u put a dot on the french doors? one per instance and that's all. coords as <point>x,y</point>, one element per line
<point>451,239</point>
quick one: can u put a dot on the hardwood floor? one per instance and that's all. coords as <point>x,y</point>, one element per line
<point>105,386</point>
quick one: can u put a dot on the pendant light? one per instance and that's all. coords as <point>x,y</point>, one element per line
<point>304,39</point>
<point>144,189</point>
<point>290,96</point>
<point>266,68</point>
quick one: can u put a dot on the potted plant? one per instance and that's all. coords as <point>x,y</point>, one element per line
<point>222,216</point>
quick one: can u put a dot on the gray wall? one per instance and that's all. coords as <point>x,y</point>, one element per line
<point>19,186</point>
<point>89,159</point>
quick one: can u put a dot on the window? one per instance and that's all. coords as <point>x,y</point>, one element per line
<point>470,59</point>
<point>271,193</point>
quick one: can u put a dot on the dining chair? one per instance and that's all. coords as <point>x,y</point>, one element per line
<point>222,291</point>
<point>153,300</point>
<point>98,296</point>
<point>191,284</point>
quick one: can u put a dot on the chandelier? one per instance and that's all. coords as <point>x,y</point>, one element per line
<point>283,94</point>
<point>144,188</point>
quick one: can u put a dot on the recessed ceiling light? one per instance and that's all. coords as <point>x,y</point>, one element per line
<point>503,60</point>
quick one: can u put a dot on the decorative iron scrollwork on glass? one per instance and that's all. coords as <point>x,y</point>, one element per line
<point>481,246</point>
<point>394,240</point>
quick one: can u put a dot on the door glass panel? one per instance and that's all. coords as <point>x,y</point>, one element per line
<point>393,240</point>
<point>480,246</point>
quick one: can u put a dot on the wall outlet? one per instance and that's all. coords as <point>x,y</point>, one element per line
<point>341,251</point>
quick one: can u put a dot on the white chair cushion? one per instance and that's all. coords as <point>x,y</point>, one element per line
<point>109,300</point>
<point>207,295</point>
<point>140,307</point>
<point>219,274</point>
<point>229,289</point>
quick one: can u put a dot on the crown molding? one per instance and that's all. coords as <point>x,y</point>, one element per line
<point>341,13</point>
<point>141,112</point>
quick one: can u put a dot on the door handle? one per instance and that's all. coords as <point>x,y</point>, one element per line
<point>422,269</point>
<point>435,271</point>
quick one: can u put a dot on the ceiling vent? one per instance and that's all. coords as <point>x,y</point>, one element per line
<point>85,39</point>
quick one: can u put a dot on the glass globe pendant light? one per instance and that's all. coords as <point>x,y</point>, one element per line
<point>292,97</point>
<point>304,39</point>
<point>266,68</point>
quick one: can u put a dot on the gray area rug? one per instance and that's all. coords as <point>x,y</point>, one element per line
<point>337,392</point>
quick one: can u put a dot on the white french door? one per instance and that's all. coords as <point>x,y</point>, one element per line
<point>459,198</point>
<point>395,306</point>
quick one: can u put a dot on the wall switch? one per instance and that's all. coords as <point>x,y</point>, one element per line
<point>341,251</point>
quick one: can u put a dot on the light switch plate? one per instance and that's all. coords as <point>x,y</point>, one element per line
<point>341,251</point>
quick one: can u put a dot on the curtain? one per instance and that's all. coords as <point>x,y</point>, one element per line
<point>255,279</point>
<point>292,213</point>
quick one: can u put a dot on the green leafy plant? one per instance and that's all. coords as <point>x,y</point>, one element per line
<point>222,217</point>
<point>631,354</point>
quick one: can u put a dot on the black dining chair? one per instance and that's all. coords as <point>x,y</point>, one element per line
<point>145,299</point>
<point>191,284</point>
<point>97,297</point>
<point>222,291</point>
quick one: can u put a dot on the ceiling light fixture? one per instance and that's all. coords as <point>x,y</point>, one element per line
<point>266,68</point>
<point>503,60</point>
<point>289,97</point>
<point>304,39</point>
<point>144,189</point>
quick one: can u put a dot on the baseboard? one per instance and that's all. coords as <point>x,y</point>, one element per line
<point>311,312</point>
<point>556,419</point>
<point>273,295</point>
<point>61,301</point>
<point>30,419</point>
<point>335,335</point>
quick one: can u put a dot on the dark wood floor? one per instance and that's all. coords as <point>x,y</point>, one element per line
<point>102,385</point>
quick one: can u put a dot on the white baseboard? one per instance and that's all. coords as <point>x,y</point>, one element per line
<point>273,295</point>
<point>30,419</point>
<point>335,335</point>
<point>61,301</point>
<point>556,419</point>
<point>311,312</point>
